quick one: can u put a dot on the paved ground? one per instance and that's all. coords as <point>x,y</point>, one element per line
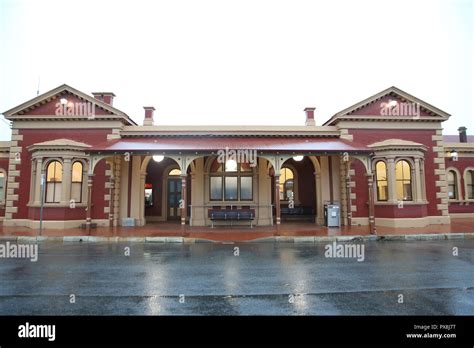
<point>258,281</point>
<point>241,233</point>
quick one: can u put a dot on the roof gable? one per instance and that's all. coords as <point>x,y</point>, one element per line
<point>391,104</point>
<point>65,102</point>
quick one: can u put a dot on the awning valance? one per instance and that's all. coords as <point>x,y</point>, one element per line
<point>210,144</point>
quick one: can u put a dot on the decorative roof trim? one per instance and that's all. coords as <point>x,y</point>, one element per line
<point>397,144</point>
<point>59,145</point>
<point>442,115</point>
<point>16,112</point>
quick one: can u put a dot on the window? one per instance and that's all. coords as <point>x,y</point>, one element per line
<point>231,181</point>
<point>230,188</point>
<point>2,187</point>
<point>452,185</point>
<point>76,183</point>
<point>54,177</point>
<point>216,188</point>
<point>175,172</point>
<point>246,188</point>
<point>381,181</point>
<point>287,184</point>
<point>469,179</point>
<point>403,180</point>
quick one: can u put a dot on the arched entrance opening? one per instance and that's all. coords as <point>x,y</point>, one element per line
<point>162,189</point>
<point>299,190</point>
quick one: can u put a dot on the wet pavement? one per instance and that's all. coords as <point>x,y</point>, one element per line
<point>265,278</point>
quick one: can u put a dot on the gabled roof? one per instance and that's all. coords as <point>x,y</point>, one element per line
<point>19,112</point>
<point>59,144</point>
<point>62,142</point>
<point>433,112</point>
<point>399,144</point>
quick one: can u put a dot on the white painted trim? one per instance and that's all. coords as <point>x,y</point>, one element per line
<point>458,184</point>
<point>50,224</point>
<point>465,183</point>
<point>462,215</point>
<point>412,222</point>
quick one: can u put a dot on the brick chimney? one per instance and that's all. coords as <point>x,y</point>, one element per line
<point>148,121</point>
<point>310,116</point>
<point>462,134</point>
<point>106,97</point>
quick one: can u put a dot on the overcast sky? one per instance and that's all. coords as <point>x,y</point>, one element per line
<point>240,62</point>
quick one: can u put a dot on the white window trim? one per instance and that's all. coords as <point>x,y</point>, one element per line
<point>374,170</point>
<point>465,183</point>
<point>3,199</point>
<point>458,184</point>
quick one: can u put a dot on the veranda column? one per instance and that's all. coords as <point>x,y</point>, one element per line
<point>39,171</point>
<point>418,186</point>
<point>348,193</point>
<point>117,184</point>
<point>89,203</point>
<point>277,203</point>
<point>66,181</point>
<point>370,183</point>
<point>183,202</point>
<point>392,188</point>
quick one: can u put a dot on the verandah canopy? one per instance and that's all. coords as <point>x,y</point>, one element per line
<point>208,144</point>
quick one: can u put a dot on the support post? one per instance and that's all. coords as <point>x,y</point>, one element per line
<point>183,203</point>
<point>370,183</point>
<point>89,204</point>
<point>277,203</point>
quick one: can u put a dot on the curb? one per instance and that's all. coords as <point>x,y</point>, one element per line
<point>275,239</point>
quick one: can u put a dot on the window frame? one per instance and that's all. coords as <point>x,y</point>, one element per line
<point>466,184</point>
<point>410,169</point>
<point>60,183</point>
<point>77,182</point>
<point>3,197</point>
<point>377,180</point>
<point>223,174</point>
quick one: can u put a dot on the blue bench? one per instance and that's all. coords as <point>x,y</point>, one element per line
<point>231,215</point>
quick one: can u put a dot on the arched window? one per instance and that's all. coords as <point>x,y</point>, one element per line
<point>231,181</point>
<point>54,178</point>
<point>76,183</point>
<point>174,172</point>
<point>381,181</point>
<point>2,186</point>
<point>287,184</point>
<point>469,180</point>
<point>452,185</point>
<point>403,181</point>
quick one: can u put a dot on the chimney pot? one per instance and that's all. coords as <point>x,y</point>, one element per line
<point>148,121</point>
<point>106,97</point>
<point>310,116</point>
<point>462,134</point>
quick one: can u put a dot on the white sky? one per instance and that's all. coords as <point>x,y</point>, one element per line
<point>240,62</point>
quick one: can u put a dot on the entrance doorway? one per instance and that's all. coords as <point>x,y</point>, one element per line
<point>174,195</point>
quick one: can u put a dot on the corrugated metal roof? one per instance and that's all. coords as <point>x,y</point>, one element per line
<point>193,144</point>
